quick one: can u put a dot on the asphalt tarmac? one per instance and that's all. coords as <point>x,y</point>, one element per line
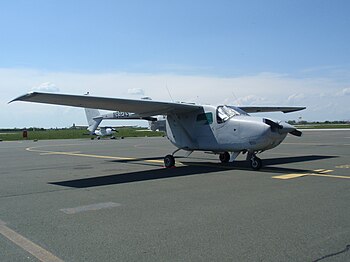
<point>112,200</point>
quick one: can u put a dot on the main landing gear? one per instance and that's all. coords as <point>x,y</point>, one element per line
<point>169,161</point>
<point>224,157</point>
<point>254,161</point>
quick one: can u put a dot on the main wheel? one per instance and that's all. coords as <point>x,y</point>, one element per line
<point>169,161</point>
<point>224,157</point>
<point>255,163</point>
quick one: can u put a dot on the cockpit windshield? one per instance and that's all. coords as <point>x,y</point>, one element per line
<point>238,110</point>
<point>224,113</point>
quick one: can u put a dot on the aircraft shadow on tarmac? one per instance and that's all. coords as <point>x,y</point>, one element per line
<point>187,169</point>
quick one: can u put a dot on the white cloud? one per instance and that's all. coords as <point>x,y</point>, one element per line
<point>296,98</point>
<point>249,100</point>
<point>46,87</point>
<point>136,91</point>
<point>344,92</point>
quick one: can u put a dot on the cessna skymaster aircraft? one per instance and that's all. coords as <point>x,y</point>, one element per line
<point>224,130</point>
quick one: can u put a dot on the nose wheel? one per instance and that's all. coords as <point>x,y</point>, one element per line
<point>255,162</point>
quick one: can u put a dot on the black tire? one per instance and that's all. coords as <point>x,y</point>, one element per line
<point>169,161</point>
<point>224,157</point>
<point>255,163</point>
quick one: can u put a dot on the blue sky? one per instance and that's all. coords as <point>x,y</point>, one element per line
<point>305,42</point>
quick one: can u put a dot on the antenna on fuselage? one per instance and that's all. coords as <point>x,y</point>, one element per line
<point>235,97</point>
<point>166,86</point>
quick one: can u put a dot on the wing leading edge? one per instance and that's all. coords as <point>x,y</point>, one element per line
<point>142,107</point>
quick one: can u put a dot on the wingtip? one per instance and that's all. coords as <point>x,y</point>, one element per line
<point>295,109</point>
<point>22,97</point>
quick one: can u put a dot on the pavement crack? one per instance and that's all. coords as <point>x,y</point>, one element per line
<point>347,248</point>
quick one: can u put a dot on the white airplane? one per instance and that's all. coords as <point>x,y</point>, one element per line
<point>224,130</point>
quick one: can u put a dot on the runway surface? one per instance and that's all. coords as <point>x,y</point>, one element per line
<point>112,200</point>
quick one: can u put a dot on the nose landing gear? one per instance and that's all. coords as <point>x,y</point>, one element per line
<point>255,162</point>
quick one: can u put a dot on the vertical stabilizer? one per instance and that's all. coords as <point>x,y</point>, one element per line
<point>93,118</point>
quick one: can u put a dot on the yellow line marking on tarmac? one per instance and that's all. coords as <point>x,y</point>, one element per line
<point>326,171</point>
<point>323,171</point>
<point>27,245</point>
<point>331,176</point>
<point>320,173</point>
<point>44,152</point>
<point>153,161</point>
<point>289,176</point>
<point>53,153</point>
<point>78,154</point>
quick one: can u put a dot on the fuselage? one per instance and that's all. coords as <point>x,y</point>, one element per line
<point>222,128</point>
<point>104,132</point>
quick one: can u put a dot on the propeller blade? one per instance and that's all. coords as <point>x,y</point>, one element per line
<point>272,124</point>
<point>296,132</point>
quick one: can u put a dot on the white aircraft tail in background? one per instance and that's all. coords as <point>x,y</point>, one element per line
<point>94,118</point>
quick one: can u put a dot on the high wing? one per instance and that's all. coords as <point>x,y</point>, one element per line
<point>258,109</point>
<point>143,107</point>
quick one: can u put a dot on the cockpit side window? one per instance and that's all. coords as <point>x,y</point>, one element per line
<point>205,118</point>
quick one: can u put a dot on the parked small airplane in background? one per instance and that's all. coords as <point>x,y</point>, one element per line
<point>224,130</point>
<point>94,118</point>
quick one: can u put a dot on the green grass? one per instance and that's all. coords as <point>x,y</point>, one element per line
<point>73,134</point>
<point>323,126</point>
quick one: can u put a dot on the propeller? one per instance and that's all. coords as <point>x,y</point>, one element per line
<point>296,132</point>
<point>282,127</point>
<point>272,124</point>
